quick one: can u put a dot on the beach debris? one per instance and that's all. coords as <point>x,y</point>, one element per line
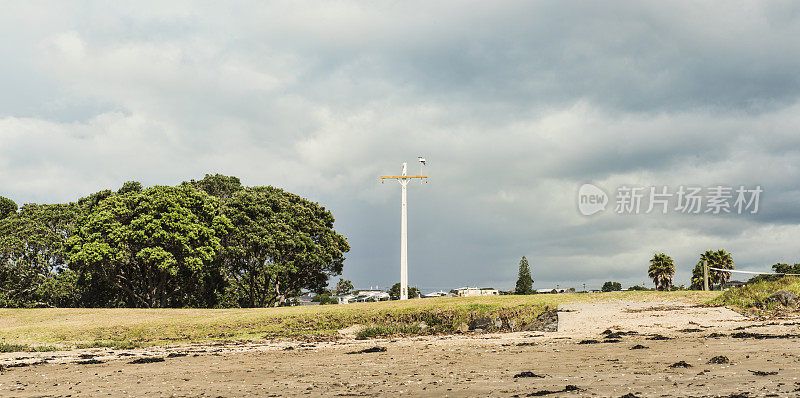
<point>91,361</point>
<point>369,350</point>
<point>146,360</point>
<point>680,364</point>
<point>589,341</point>
<point>763,336</point>
<point>719,359</point>
<point>527,374</point>
<point>762,373</point>
<point>615,335</point>
<point>176,354</point>
<point>542,393</point>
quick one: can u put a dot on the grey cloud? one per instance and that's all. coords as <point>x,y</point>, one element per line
<point>515,104</point>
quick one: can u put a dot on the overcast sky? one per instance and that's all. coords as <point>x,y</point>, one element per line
<point>515,105</point>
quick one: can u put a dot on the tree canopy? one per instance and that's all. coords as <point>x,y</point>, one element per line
<point>394,292</point>
<point>524,279</point>
<point>7,207</point>
<point>33,264</point>
<point>155,245</point>
<point>344,286</point>
<point>611,287</point>
<point>280,244</point>
<point>661,271</point>
<point>716,259</point>
<point>206,243</point>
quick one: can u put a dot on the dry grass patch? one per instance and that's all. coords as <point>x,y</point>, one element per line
<point>123,327</point>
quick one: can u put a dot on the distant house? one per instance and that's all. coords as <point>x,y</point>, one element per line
<point>306,300</point>
<point>363,296</point>
<point>476,291</point>
<point>437,294</point>
<point>543,291</point>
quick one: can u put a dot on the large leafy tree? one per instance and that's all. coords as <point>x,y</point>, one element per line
<point>280,243</point>
<point>524,280</point>
<point>7,207</point>
<point>33,268</point>
<point>661,271</point>
<point>716,259</point>
<point>154,245</point>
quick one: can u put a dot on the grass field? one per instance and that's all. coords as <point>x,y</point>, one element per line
<point>65,328</point>
<point>751,298</point>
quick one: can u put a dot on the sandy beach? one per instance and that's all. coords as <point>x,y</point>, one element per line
<point>604,349</point>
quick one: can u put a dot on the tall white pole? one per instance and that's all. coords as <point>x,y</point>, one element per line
<point>403,180</point>
<point>404,239</point>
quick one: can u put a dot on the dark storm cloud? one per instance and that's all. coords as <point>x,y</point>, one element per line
<point>515,105</point>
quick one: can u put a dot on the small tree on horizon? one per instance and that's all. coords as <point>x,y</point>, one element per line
<point>394,292</point>
<point>344,286</point>
<point>611,287</point>
<point>524,280</point>
<point>661,271</point>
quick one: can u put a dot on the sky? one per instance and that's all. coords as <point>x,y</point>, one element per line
<point>514,104</point>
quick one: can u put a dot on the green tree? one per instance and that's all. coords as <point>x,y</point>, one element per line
<point>33,268</point>
<point>7,207</point>
<point>611,287</point>
<point>781,268</point>
<point>524,280</point>
<point>324,298</point>
<point>88,203</point>
<point>716,259</point>
<point>218,185</point>
<point>154,245</point>
<point>130,186</point>
<point>343,287</point>
<point>280,244</point>
<point>661,271</point>
<point>394,292</point>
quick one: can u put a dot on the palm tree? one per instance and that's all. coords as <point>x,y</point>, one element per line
<point>661,271</point>
<point>716,259</point>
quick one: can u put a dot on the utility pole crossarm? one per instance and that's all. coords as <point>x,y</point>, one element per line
<point>401,177</point>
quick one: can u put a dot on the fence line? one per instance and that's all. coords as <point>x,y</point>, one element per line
<point>752,272</point>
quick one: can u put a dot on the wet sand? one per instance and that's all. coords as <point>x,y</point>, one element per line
<point>586,357</point>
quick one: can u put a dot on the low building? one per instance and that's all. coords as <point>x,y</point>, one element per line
<point>550,290</point>
<point>307,300</point>
<point>363,296</point>
<point>476,291</point>
<point>437,294</point>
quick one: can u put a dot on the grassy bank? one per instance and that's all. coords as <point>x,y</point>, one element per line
<point>126,328</point>
<point>751,298</point>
